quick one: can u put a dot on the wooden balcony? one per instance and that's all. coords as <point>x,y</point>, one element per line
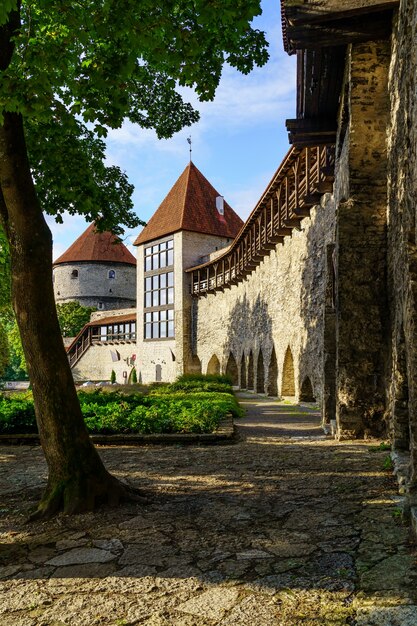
<point>303,176</point>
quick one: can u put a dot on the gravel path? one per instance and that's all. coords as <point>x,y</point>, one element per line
<point>285,528</point>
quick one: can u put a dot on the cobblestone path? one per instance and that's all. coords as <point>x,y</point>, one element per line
<point>283,528</point>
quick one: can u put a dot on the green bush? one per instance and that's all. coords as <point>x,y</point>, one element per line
<point>17,414</point>
<point>110,412</point>
<point>195,383</point>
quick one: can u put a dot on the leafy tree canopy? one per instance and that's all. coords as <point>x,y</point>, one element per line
<point>72,316</point>
<point>81,67</point>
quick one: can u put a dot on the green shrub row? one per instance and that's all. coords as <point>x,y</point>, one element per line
<point>194,383</point>
<point>113,412</point>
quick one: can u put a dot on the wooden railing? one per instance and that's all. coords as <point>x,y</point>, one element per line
<point>87,337</point>
<point>302,178</point>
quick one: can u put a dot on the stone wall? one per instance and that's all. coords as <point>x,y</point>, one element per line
<point>402,257</point>
<point>93,285</point>
<point>174,356</point>
<point>96,363</point>
<point>277,307</point>
<point>361,311</point>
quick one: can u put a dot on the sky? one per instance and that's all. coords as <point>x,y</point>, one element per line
<point>238,143</point>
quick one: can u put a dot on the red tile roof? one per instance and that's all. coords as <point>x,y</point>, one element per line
<point>95,246</point>
<point>191,205</point>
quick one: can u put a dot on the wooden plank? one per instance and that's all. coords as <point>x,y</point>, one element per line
<point>318,11</point>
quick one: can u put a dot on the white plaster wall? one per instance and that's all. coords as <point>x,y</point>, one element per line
<point>96,363</point>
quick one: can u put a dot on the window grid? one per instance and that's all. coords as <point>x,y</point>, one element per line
<point>159,324</point>
<point>160,255</point>
<point>159,290</point>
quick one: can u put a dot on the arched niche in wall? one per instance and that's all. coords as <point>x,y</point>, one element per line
<point>231,370</point>
<point>306,391</point>
<point>272,381</point>
<point>250,371</point>
<point>194,365</point>
<point>213,366</point>
<point>243,383</point>
<point>288,380</point>
<point>260,374</point>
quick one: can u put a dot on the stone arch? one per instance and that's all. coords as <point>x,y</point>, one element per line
<point>194,365</point>
<point>250,371</point>
<point>243,384</point>
<point>232,370</point>
<point>306,392</point>
<point>213,366</point>
<point>260,374</point>
<point>288,379</point>
<point>272,380</point>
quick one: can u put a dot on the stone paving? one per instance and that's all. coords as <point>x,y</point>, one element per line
<point>284,527</point>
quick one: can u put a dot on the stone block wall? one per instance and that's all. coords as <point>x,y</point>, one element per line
<point>93,285</point>
<point>175,356</point>
<point>361,307</point>
<point>402,239</point>
<point>279,307</point>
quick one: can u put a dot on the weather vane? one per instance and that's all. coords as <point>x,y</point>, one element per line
<point>191,149</point>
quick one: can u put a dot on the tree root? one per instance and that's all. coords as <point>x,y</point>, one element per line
<point>82,494</point>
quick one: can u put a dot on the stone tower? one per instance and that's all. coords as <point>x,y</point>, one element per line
<point>97,270</point>
<point>192,222</point>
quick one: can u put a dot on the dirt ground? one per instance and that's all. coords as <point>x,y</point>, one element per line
<point>285,527</point>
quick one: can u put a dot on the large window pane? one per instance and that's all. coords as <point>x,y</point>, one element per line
<point>170,295</point>
<point>170,277</point>
<point>170,257</point>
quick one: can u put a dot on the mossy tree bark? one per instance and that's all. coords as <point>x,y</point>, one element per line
<point>77,479</point>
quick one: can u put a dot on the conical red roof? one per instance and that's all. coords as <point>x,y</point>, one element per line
<point>95,246</point>
<point>191,205</point>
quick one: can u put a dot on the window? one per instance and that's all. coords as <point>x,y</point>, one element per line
<point>112,274</point>
<point>74,274</point>
<point>159,256</point>
<point>159,290</point>
<point>115,332</point>
<point>100,306</point>
<point>159,324</point>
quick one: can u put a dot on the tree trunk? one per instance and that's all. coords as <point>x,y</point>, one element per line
<point>77,479</point>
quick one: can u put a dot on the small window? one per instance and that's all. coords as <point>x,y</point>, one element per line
<point>112,274</point>
<point>100,306</point>
<point>74,274</point>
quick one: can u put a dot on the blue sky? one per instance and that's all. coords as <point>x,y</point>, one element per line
<point>238,143</point>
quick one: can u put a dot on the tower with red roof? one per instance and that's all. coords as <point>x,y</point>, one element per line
<point>191,224</point>
<point>97,270</point>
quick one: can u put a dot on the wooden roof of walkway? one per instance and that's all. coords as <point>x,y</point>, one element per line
<point>303,176</point>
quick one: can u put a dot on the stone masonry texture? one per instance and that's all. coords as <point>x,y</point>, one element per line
<point>284,528</point>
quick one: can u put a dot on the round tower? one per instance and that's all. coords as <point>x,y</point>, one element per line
<point>97,270</point>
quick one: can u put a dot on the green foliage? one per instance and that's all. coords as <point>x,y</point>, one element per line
<point>72,317</point>
<point>113,377</point>
<point>114,412</point>
<point>134,376</point>
<point>17,414</point>
<point>381,447</point>
<point>78,69</point>
<point>388,464</point>
<point>4,350</point>
<point>195,383</point>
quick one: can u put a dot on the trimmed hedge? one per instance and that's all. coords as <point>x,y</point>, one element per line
<point>164,411</point>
